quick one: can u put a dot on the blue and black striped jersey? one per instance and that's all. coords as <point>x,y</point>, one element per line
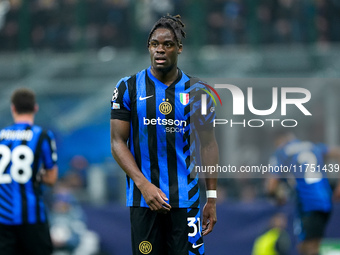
<point>23,149</point>
<point>306,161</point>
<point>164,121</point>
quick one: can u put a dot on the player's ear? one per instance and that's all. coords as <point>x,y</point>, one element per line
<point>36,108</point>
<point>13,110</point>
<point>180,48</point>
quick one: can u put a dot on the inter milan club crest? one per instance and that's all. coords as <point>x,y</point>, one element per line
<point>165,107</point>
<point>184,97</point>
<point>145,247</point>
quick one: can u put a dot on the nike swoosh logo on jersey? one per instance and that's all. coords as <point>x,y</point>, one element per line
<point>143,98</point>
<point>194,246</point>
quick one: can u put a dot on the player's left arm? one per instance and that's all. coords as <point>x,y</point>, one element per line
<point>49,172</point>
<point>274,188</point>
<point>271,186</point>
<point>209,155</point>
<point>49,176</point>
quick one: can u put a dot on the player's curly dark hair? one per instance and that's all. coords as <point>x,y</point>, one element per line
<point>23,100</point>
<point>174,23</point>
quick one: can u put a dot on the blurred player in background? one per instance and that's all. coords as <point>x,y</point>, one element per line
<point>313,190</point>
<point>276,240</point>
<point>24,147</point>
<point>151,120</point>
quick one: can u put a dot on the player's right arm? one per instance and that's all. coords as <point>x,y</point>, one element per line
<point>154,197</point>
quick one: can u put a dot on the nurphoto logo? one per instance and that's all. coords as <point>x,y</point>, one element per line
<point>204,98</point>
<point>238,102</point>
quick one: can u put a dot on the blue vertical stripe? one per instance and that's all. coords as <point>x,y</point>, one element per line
<point>143,132</point>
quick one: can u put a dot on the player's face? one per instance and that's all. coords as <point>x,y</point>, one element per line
<point>164,50</point>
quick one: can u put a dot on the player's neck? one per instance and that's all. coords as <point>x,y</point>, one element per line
<point>24,118</point>
<point>165,77</point>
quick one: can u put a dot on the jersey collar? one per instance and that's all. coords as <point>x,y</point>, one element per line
<point>154,79</point>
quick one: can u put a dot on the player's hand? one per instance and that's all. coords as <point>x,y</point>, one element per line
<point>209,216</point>
<point>155,198</point>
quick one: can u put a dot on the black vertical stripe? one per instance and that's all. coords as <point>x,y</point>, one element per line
<point>36,185</point>
<point>186,135</point>
<point>121,92</point>
<point>171,152</point>
<point>23,192</point>
<point>132,87</point>
<point>152,129</point>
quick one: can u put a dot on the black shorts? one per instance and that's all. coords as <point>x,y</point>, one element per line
<point>28,239</point>
<point>313,225</point>
<point>176,233</point>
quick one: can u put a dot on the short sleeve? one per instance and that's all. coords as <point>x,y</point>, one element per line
<point>48,149</point>
<point>120,102</point>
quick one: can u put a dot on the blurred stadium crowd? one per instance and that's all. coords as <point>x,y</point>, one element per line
<point>67,25</point>
<point>71,25</point>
